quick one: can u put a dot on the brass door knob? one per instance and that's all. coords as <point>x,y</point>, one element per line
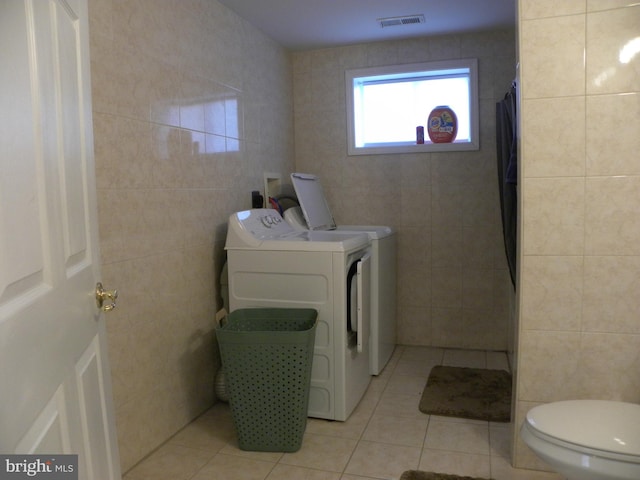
<point>105,299</point>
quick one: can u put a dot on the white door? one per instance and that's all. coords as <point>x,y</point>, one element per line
<point>55,394</point>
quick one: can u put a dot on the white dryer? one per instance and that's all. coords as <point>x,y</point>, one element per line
<point>314,214</point>
<point>270,264</point>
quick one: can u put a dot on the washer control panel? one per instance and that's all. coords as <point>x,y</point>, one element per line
<point>263,223</point>
<point>271,219</point>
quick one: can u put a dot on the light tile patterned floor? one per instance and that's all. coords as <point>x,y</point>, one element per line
<point>385,436</point>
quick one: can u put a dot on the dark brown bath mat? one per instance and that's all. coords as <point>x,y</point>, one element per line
<point>475,393</point>
<point>420,475</point>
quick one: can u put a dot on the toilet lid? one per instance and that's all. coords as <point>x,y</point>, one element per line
<point>597,424</point>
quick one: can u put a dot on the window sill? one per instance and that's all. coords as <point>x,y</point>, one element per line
<point>426,147</point>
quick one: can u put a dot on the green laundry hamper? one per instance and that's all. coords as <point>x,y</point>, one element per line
<point>267,355</point>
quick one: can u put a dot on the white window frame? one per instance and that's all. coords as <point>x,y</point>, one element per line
<point>469,65</point>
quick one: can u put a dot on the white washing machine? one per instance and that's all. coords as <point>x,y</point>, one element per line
<point>314,214</point>
<point>270,264</point>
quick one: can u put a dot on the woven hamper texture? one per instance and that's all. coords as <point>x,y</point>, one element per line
<point>267,355</point>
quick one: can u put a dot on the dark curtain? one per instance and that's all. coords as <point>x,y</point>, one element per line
<point>507,146</point>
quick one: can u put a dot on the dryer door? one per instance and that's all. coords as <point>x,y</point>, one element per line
<point>364,301</point>
<point>359,303</point>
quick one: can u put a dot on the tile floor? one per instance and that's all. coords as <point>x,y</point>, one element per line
<point>383,437</point>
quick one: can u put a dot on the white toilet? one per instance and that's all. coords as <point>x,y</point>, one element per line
<point>586,439</point>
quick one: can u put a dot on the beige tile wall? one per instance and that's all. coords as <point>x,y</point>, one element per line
<point>579,303</point>
<point>454,287</point>
<point>170,170</point>
<point>191,105</point>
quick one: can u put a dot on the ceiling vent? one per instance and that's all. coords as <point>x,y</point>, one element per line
<point>405,20</point>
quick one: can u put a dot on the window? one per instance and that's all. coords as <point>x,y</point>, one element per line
<point>386,104</point>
